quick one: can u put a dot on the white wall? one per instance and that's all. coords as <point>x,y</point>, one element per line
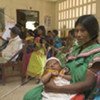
<point>98,10</point>
<point>45,8</point>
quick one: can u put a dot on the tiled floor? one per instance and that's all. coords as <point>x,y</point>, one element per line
<point>13,89</point>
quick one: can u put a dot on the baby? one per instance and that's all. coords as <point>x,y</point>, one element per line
<point>54,72</point>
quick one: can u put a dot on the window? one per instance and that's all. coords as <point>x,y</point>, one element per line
<point>70,10</point>
<point>30,25</point>
<point>94,8</point>
<point>26,18</point>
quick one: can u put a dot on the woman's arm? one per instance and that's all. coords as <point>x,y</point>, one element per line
<point>73,88</point>
<point>67,77</point>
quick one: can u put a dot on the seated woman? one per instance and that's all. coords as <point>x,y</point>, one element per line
<point>57,40</point>
<point>70,43</point>
<point>82,62</point>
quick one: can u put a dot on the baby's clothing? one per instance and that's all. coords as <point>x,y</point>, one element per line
<point>59,81</point>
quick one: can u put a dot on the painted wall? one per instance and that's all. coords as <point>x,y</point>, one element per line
<point>98,10</point>
<point>45,8</point>
<point>98,14</point>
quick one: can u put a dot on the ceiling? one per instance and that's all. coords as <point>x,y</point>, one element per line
<point>52,0</point>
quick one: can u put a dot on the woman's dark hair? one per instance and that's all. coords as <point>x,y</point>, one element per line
<point>36,24</point>
<point>90,23</point>
<point>41,27</point>
<point>72,32</point>
<point>35,32</point>
<point>55,32</point>
<point>30,32</point>
<point>49,31</point>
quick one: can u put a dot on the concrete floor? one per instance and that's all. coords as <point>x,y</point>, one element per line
<point>13,90</point>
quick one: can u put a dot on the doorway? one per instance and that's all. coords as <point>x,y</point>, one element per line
<point>27,18</point>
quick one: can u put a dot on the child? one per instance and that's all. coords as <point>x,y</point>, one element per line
<point>29,41</point>
<point>54,72</point>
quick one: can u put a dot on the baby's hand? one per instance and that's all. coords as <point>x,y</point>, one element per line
<point>55,73</point>
<point>63,72</point>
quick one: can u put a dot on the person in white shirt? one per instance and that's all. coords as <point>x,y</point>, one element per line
<point>14,45</point>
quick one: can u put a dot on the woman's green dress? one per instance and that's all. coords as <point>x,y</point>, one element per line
<point>78,63</point>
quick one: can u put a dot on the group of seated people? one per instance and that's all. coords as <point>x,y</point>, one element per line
<point>69,68</point>
<point>35,47</point>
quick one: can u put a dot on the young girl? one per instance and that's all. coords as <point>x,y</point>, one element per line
<point>54,72</point>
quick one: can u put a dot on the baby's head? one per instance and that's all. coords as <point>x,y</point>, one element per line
<point>53,63</point>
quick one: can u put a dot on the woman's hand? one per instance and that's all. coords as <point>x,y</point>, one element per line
<point>51,87</point>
